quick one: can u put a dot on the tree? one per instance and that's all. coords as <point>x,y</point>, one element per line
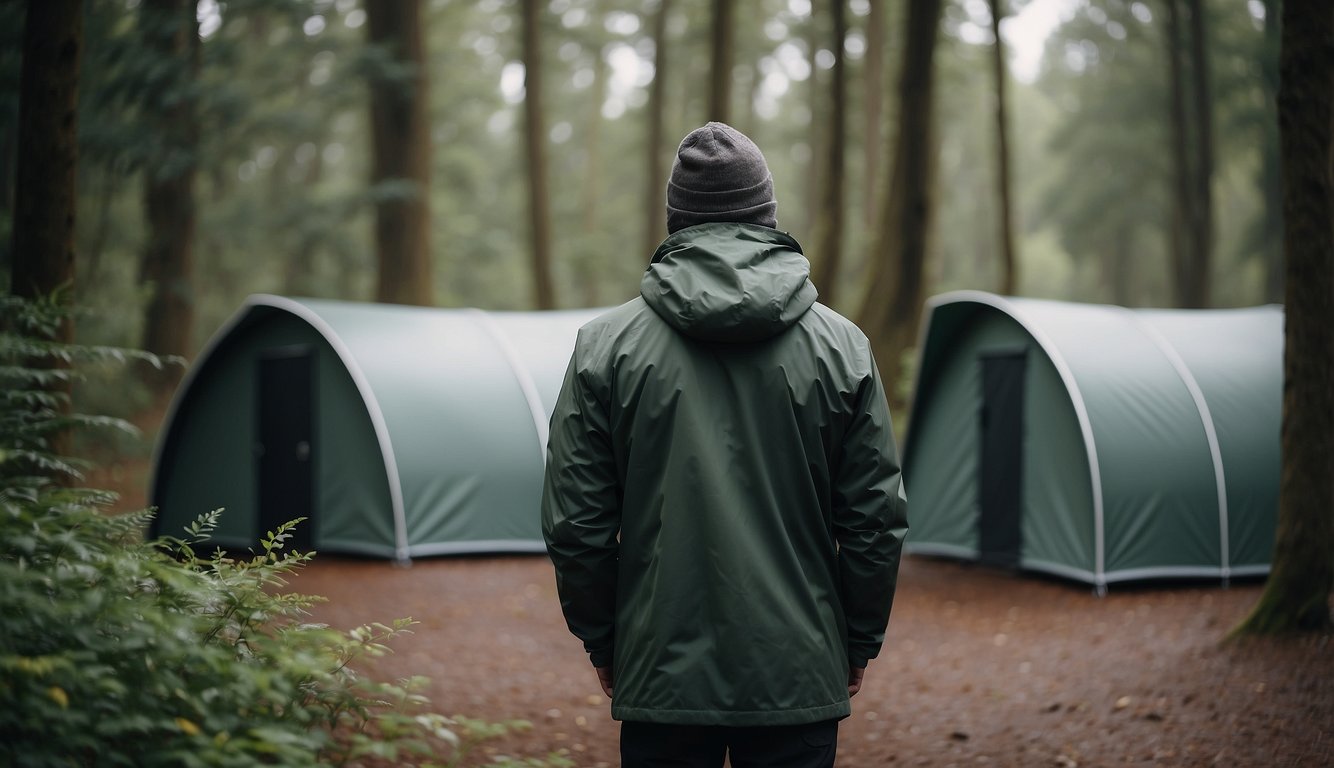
<point>1271,183</point>
<point>539,215</point>
<point>584,262</point>
<point>1009,261</point>
<point>720,61</point>
<point>401,148</point>
<point>170,32</point>
<point>829,227</point>
<point>1296,596</point>
<point>654,177</point>
<point>1192,153</point>
<point>44,206</point>
<point>893,303</point>
<point>874,83</point>
<point>45,201</point>
<point>1202,225</point>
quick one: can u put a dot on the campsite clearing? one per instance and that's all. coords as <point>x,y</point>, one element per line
<point>981,667</point>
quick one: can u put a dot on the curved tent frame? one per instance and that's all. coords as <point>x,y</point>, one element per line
<point>449,405</point>
<point>1149,396</point>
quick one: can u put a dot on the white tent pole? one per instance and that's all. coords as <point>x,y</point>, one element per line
<point>1210,433</point>
<point>522,376</point>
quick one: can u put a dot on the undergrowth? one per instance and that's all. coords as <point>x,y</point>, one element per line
<point>115,650</point>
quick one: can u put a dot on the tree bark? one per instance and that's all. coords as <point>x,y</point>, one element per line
<point>171,33</point>
<point>872,134</point>
<point>1271,180</point>
<point>8,139</point>
<point>1202,223</point>
<point>655,178</point>
<point>1192,149</point>
<point>539,215</point>
<point>720,62</point>
<point>1297,594</point>
<point>47,151</point>
<point>893,304</point>
<point>584,263</point>
<point>42,239</point>
<point>829,231</point>
<point>1009,284</point>
<point>1183,213</point>
<point>815,170</point>
<point>401,148</point>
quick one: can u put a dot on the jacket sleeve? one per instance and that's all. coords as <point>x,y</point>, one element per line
<point>581,514</point>
<point>870,516</point>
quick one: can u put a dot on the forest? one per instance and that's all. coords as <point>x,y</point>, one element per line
<point>512,154</point>
<point>161,160</point>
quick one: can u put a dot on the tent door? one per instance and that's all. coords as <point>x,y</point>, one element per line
<point>285,377</point>
<point>1000,539</point>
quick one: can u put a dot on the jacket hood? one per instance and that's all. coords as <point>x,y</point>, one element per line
<point>729,282</point>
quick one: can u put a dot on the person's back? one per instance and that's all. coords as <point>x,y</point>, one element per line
<point>723,503</point>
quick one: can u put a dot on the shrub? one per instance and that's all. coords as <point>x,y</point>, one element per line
<point>119,651</point>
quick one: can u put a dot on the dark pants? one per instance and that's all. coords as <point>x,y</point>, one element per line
<point>654,745</point>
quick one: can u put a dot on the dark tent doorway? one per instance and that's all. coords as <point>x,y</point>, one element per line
<point>286,381</point>
<point>1000,540</point>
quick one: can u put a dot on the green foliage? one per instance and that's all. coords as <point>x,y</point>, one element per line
<point>35,375</point>
<point>118,651</point>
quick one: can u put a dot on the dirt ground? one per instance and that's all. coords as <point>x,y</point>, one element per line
<point>980,668</point>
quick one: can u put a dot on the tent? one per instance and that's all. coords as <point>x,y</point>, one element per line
<point>397,431</point>
<point>1093,442</point>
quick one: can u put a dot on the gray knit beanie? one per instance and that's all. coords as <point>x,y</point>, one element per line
<point>719,175</point>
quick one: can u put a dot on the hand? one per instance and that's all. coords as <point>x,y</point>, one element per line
<point>604,679</point>
<point>855,675</point>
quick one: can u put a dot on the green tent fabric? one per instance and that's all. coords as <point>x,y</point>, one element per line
<point>1096,442</point>
<point>399,431</point>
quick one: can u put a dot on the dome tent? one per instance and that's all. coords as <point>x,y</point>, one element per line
<point>1096,442</point>
<point>398,431</point>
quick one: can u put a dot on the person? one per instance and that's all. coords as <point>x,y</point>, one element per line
<point>722,503</point>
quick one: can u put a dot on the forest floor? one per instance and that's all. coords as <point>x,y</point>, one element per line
<point>980,667</point>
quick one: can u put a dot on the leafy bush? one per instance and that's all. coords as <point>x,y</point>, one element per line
<point>117,651</point>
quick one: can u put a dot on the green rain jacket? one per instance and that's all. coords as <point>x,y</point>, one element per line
<point>723,503</point>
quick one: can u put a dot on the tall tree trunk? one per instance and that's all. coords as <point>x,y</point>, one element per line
<point>1182,199</point>
<point>872,134</point>
<point>1009,261</point>
<point>1202,176</point>
<point>815,170</point>
<point>1271,181</point>
<point>893,304</point>
<point>655,178</point>
<point>829,232</point>
<point>8,138</point>
<point>45,201</point>
<point>720,62</point>
<point>1297,594</point>
<point>539,215</point>
<point>401,145</point>
<point>585,262</point>
<point>171,33</point>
